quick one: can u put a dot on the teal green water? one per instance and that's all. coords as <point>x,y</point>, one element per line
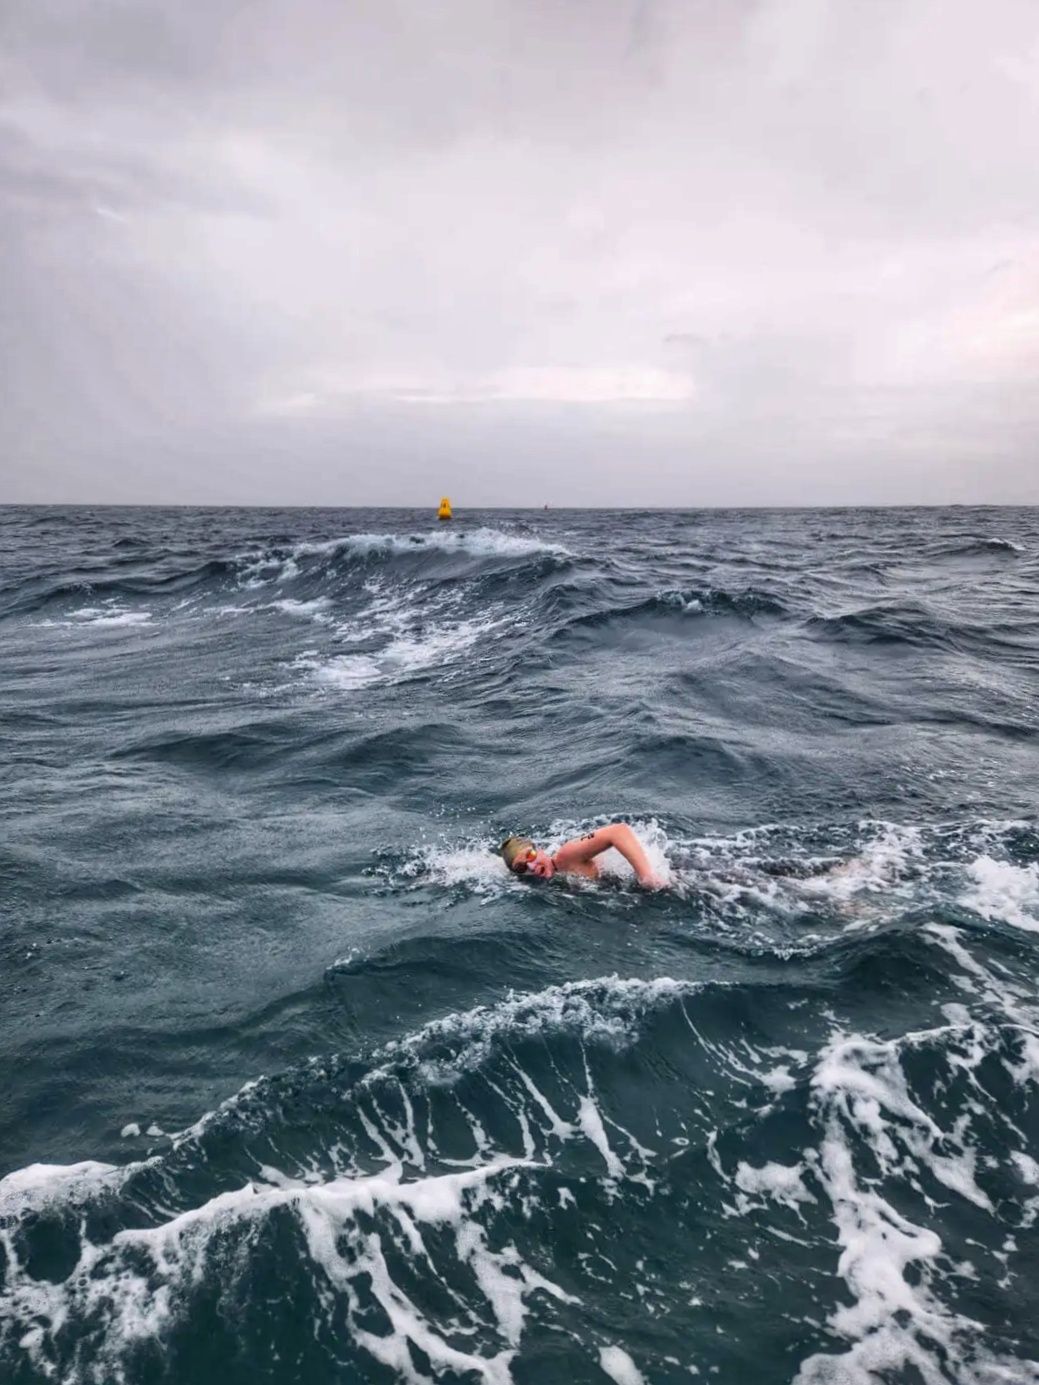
<point>300,1085</point>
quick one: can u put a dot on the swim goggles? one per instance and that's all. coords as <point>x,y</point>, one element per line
<point>523,860</point>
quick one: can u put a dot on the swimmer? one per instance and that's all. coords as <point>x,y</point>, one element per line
<point>578,857</point>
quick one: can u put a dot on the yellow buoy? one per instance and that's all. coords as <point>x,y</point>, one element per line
<point>445,509</point>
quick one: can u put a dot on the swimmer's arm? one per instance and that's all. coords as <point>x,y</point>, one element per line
<point>618,835</point>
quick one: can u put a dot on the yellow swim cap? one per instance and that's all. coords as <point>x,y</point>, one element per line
<point>513,847</point>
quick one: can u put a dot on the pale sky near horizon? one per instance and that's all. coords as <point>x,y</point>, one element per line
<point>650,252</point>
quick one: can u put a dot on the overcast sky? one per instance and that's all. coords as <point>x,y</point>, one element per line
<point>578,251</point>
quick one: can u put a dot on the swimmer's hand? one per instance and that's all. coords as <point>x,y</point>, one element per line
<point>653,882</point>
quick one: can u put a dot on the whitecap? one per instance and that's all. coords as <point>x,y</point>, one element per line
<point>1003,891</point>
<point>122,618</point>
<point>485,542</point>
<point>343,672</point>
<point>39,1185</point>
<point>780,1182</point>
<point>436,644</point>
<point>137,1284</point>
<point>110,616</point>
<point>618,1365</point>
<point>261,567</point>
<point>305,610</point>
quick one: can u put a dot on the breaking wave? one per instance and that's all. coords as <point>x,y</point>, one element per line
<point>459,1154</point>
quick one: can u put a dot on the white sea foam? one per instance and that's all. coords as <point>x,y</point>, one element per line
<point>871,871</point>
<point>737,874</point>
<point>590,1121</point>
<point>604,1010</point>
<point>878,1139</point>
<point>977,980</point>
<point>485,542</point>
<point>38,1185</point>
<point>439,645</point>
<point>778,1080</point>
<point>780,1182</point>
<point>123,618</point>
<point>1014,1003</point>
<point>406,627</point>
<point>691,605</point>
<point>306,610</point>
<point>343,672</point>
<point>401,658</point>
<point>607,1011</point>
<point>1003,891</point>
<point>263,568</point>
<point>1028,1169</point>
<point>880,863</point>
<point>452,1200</point>
<point>896,1324</point>
<point>110,616</point>
<point>136,1285</point>
<point>357,1227</point>
<point>618,1365</point>
<point>406,635</point>
<point>473,864</point>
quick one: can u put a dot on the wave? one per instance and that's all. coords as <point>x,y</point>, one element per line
<point>885,623</point>
<point>244,746</point>
<point>282,564</point>
<point>383,608</point>
<point>913,625</point>
<point>431,1189</point>
<point>481,543</point>
<point>458,1155</point>
<point>684,602</point>
<point>154,580</point>
<point>967,547</point>
<point>278,564</point>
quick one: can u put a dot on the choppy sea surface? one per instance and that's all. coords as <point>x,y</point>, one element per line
<point>298,1085</point>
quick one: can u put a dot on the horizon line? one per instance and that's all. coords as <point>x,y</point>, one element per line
<point>525,509</point>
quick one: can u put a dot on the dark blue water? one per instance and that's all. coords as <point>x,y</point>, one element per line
<point>299,1085</point>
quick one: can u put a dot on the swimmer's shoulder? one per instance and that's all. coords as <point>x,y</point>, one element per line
<point>589,869</point>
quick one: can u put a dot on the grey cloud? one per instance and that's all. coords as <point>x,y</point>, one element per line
<point>70,179</point>
<point>780,249</point>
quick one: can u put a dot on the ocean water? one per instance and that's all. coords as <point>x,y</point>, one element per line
<point>300,1086</point>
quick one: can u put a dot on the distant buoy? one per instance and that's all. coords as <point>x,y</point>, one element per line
<point>445,509</point>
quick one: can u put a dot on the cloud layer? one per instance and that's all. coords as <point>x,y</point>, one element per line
<point>638,253</point>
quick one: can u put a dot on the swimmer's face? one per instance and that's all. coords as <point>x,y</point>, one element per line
<point>537,863</point>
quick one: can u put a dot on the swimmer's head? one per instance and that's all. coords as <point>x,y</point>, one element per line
<point>523,858</point>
